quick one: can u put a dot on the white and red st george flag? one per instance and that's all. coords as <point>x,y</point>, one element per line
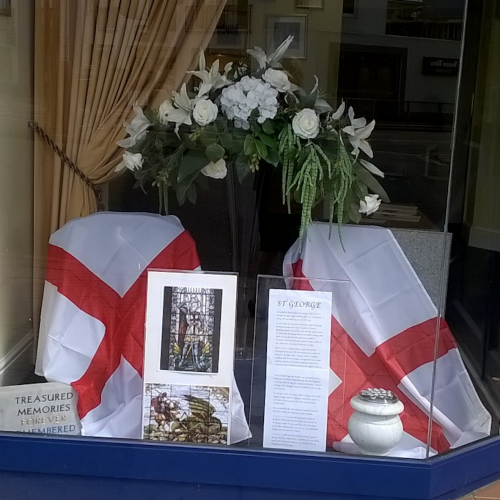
<point>384,336</point>
<point>93,314</point>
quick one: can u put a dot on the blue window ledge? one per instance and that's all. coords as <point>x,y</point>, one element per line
<point>40,467</point>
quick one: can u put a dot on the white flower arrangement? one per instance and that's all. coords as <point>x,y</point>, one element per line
<point>245,121</point>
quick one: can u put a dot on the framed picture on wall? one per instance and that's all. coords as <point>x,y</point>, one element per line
<point>280,27</point>
<point>349,8</point>
<point>310,4</point>
<point>5,8</point>
<point>231,32</point>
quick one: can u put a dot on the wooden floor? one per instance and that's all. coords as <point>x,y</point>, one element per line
<point>490,492</point>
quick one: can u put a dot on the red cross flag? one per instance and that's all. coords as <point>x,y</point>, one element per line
<point>388,340</point>
<point>92,322</point>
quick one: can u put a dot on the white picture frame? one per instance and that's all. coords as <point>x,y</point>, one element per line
<point>157,367</point>
<point>205,303</point>
<point>280,27</point>
<point>310,4</point>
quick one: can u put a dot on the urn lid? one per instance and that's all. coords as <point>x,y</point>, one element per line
<point>378,396</point>
<point>377,402</point>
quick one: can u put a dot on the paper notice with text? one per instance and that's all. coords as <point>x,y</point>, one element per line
<point>298,359</point>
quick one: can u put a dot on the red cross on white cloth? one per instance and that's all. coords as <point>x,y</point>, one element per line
<point>93,314</point>
<point>388,340</point>
<point>92,322</point>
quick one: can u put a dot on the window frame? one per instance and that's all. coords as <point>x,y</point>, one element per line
<point>48,466</point>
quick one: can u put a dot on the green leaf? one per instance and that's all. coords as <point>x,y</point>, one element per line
<point>308,101</point>
<point>242,166</point>
<point>191,163</point>
<point>183,187</point>
<point>211,129</point>
<point>207,138</point>
<point>191,193</point>
<point>372,184</point>
<point>331,151</point>
<point>256,129</point>
<point>233,144</point>
<point>150,115</point>
<point>269,141</point>
<point>180,199</point>
<point>249,147</point>
<point>268,127</point>
<point>215,152</point>
<point>273,157</point>
<point>261,149</point>
<point>360,188</point>
<point>354,213</point>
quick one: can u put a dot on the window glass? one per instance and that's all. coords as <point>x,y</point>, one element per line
<point>300,155</point>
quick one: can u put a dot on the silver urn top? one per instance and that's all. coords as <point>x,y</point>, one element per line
<point>380,396</point>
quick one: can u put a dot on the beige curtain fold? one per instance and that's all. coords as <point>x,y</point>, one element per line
<point>93,60</point>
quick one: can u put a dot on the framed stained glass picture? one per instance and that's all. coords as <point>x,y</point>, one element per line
<point>191,329</point>
<point>189,356</point>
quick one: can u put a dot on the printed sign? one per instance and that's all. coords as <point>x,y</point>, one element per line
<point>41,408</point>
<point>298,357</point>
<point>440,66</point>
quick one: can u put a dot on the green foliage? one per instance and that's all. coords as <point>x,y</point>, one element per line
<point>177,155</point>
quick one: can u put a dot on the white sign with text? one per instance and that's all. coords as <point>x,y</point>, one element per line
<point>298,364</point>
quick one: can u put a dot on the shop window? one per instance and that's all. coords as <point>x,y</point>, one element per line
<point>337,211</point>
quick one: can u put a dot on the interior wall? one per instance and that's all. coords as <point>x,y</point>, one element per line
<point>483,210</point>
<point>324,28</point>
<point>16,188</point>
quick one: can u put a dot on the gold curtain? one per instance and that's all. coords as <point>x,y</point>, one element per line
<point>93,60</point>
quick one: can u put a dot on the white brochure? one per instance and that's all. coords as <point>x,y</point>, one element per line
<point>298,364</point>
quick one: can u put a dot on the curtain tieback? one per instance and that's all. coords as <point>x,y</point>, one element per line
<point>64,157</point>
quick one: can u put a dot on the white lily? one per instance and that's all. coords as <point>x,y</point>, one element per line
<point>180,113</point>
<point>131,161</point>
<point>356,122</point>
<point>278,54</point>
<point>164,110</point>
<point>203,90</point>
<point>181,110</point>
<point>321,106</point>
<point>258,54</point>
<point>181,99</point>
<point>137,128</point>
<point>340,111</point>
<point>357,138</point>
<point>211,76</point>
<point>271,60</point>
<point>372,168</point>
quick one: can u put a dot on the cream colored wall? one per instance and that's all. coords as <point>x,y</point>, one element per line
<point>16,177</point>
<point>324,28</point>
<point>485,147</point>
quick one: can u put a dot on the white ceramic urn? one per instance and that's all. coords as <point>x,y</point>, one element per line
<point>375,425</point>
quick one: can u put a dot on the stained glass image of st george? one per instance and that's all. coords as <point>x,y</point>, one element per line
<point>186,413</point>
<point>191,329</point>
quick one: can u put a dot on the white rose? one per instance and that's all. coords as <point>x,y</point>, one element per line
<point>132,161</point>
<point>205,112</point>
<point>306,124</point>
<point>370,204</point>
<point>278,79</point>
<point>215,170</point>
